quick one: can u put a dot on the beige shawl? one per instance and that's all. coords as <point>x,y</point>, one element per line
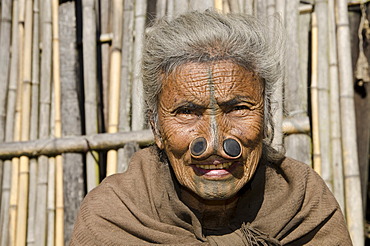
<point>284,204</point>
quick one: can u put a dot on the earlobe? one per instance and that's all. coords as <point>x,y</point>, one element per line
<point>157,136</point>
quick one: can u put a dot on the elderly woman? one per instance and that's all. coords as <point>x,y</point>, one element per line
<point>211,178</point>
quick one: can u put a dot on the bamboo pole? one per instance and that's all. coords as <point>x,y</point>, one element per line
<point>137,86</point>
<point>295,91</point>
<point>44,125</point>
<point>51,147</point>
<point>335,135</point>
<point>321,9</point>
<point>50,240</point>
<point>34,125</point>
<point>90,85</point>
<point>249,7</point>
<point>218,5</point>
<point>126,73</point>
<point>160,8</point>
<point>21,229</point>
<point>315,99</point>
<point>354,211</point>
<point>5,34</point>
<point>8,212</point>
<point>5,172</point>
<point>17,130</point>
<point>59,214</point>
<point>115,79</point>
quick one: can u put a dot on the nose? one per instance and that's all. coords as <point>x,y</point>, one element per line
<point>231,148</point>
<point>198,146</point>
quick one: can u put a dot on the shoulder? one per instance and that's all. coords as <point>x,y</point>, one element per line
<point>313,211</point>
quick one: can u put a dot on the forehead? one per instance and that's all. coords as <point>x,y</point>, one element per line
<point>219,78</point>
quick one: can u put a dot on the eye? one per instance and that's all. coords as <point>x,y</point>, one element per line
<point>185,111</point>
<point>240,107</point>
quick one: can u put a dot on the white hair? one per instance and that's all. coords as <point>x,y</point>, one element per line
<point>212,36</point>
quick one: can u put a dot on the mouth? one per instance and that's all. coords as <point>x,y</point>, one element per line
<point>214,171</point>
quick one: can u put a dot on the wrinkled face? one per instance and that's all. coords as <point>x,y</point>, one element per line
<point>210,120</point>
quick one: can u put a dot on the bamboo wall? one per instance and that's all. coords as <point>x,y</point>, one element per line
<point>72,111</point>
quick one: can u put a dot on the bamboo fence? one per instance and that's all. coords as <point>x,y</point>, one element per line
<point>314,123</point>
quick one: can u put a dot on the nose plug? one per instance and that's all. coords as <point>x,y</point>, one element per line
<point>231,147</point>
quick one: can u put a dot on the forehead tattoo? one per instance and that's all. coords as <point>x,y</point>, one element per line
<point>213,103</point>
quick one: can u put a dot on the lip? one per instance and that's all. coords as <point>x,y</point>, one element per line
<point>215,173</point>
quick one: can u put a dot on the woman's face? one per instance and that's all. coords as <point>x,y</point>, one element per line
<point>211,101</point>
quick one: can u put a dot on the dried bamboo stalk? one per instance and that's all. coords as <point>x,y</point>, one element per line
<point>59,213</point>
<point>5,172</point>
<point>90,85</point>
<point>218,5</point>
<point>5,35</point>
<point>44,123</point>
<point>76,144</point>
<point>335,135</point>
<point>21,231</point>
<point>137,85</point>
<point>34,125</point>
<point>126,73</point>
<point>354,210</point>
<point>295,103</point>
<point>5,201</point>
<point>314,98</point>
<point>160,8</point>
<point>13,202</point>
<point>277,97</point>
<point>249,7</point>
<point>50,241</point>
<point>115,79</point>
<point>235,6</point>
<point>17,129</point>
<point>321,9</point>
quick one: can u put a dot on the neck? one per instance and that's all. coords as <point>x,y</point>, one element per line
<point>212,214</point>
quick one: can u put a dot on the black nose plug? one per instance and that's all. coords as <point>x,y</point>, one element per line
<point>198,146</point>
<point>232,147</point>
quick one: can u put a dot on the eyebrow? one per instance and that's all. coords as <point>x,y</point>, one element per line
<point>235,101</point>
<point>188,105</point>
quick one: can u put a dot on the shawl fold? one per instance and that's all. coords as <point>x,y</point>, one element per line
<point>285,203</point>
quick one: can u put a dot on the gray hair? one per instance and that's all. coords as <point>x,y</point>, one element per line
<point>211,36</point>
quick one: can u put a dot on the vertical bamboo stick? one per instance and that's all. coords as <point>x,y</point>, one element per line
<point>21,231</point>
<point>321,9</point>
<point>90,85</point>
<point>137,86</point>
<point>17,129</point>
<point>126,75</point>
<point>218,5</point>
<point>170,9</point>
<point>6,33</point>
<point>115,78</point>
<point>34,125</point>
<point>249,7</point>
<point>354,209</point>
<point>44,127</point>
<point>335,136</point>
<point>181,6</point>
<point>295,92</point>
<point>50,240</point>
<point>315,99</point>
<point>59,214</point>
<point>161,8</point>
<point>200,5</point>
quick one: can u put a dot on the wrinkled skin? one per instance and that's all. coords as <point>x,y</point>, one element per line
<point>215,100</point>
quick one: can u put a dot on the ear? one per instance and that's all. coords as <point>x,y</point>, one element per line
<point>157,135</point>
